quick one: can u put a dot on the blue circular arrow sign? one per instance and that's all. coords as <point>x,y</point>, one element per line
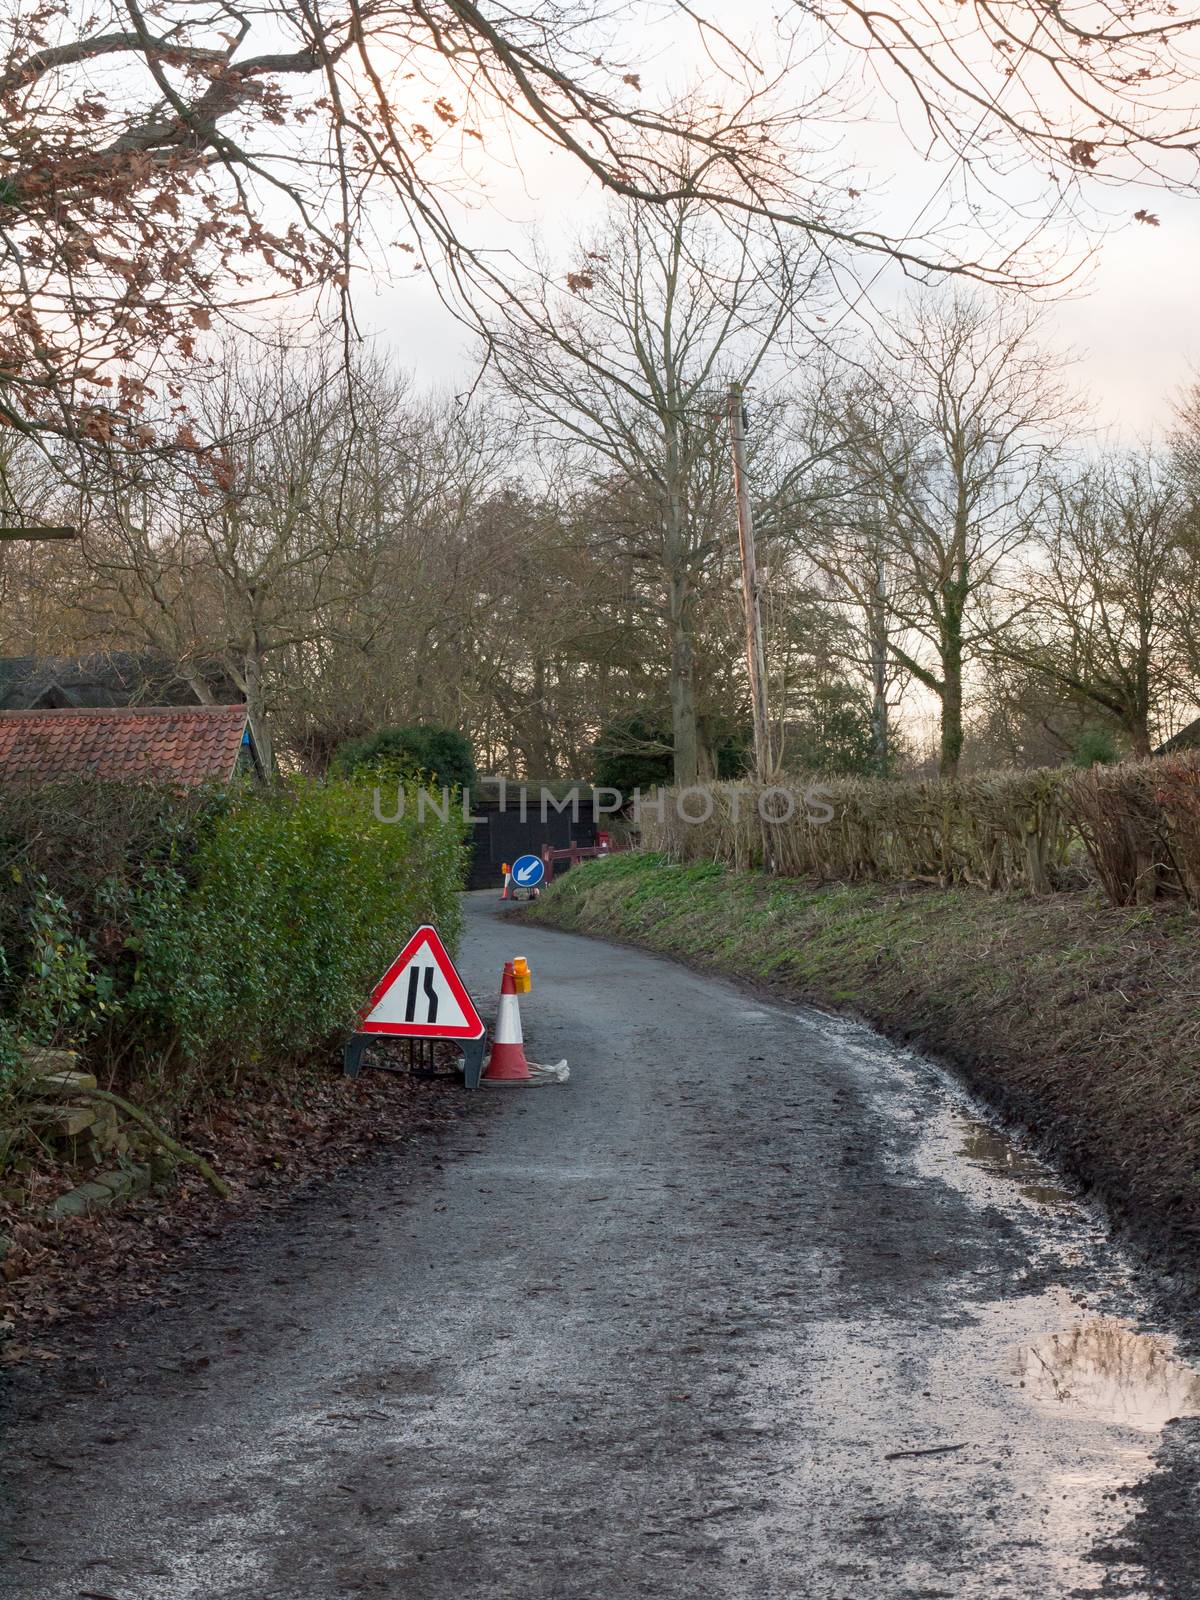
<point>527,871</point>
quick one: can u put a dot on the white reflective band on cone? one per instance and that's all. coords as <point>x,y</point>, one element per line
<point>508,1021</point>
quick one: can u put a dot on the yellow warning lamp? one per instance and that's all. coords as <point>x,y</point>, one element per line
<point>522,977</point>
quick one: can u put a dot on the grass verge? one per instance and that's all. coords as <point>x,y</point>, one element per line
<point>1081,1021</point>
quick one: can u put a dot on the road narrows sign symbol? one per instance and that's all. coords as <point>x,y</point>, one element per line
<point>421,996</point>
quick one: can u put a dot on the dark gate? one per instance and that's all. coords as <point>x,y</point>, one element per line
<point>501,836</point>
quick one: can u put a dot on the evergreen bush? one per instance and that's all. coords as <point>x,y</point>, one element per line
<point>178,941</point>
<point>431,755</point>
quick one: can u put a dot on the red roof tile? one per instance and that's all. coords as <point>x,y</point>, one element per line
<point>171,744</point>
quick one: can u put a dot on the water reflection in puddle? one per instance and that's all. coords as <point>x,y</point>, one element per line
<point>1103,1369</point>
<point>1046,1194</point>
<point>1061,1428</point>
<point>998,1156</point>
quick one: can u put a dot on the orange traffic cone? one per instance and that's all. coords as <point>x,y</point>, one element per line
<point>507,1063</point>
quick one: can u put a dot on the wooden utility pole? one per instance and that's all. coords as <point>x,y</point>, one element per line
<point>878,633</point>
<point>755,657</point>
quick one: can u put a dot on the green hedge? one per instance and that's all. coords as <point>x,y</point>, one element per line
<point>178,941</point>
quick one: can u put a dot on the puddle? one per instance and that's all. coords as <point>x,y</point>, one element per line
<point>1104,1370</point>
<point>950,1133</point>
<point>1001,1158</point>
<point>1045,1194</point>
<point>1055,1430</point>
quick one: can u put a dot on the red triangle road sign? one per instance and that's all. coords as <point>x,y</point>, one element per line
<point>421,996</point>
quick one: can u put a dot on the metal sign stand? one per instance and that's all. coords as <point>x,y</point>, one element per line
<point>472,1054</point>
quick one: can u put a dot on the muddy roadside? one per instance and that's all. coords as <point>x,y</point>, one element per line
<point>756,1305</point>
<point>1079,1024</point>
<point>60,1276</point>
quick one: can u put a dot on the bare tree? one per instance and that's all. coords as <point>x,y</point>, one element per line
<point>1085,89</point>
<point>162,165</point>
<point>252,547</point>
<point>1104,623</point>
<point>1019,717</point>
<point>38,581</point>
<point>949,437</point>
<point>847,543</point>
<point>346,571</point>
<point>621,369</point>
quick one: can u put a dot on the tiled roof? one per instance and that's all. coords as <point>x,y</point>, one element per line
<point>1186,739</point>
<point>171,744</point>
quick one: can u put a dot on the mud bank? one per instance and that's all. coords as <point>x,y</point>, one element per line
<point>1079,1022</point>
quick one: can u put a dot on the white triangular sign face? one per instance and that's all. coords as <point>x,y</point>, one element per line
<point>421,996</point>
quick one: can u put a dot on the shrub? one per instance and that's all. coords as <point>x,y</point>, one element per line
<point>632,755</point>
<point>1140,821</point>
<point>70,855</point>
<point>1094,747</point>
<point>327,895</point>
<point>834,732</point>
<point>437,755</point>
<point>204,935</point>
<point>733,755</point>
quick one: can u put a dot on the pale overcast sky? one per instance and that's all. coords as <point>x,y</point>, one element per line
<point>1131,319</point>
<point>1134,326</point>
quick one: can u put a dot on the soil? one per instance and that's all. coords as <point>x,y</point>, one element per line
<point>266,1145</point>
<point>755,1306</point>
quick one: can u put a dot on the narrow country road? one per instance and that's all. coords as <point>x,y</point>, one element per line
<point>752,1308</point>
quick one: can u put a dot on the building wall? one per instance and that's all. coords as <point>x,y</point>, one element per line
<point>501,836</point>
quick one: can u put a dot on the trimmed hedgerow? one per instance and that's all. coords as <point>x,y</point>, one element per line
<point>178,941</point>
<point>1134,828</point>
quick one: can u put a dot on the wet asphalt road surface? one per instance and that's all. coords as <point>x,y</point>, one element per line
<point>755,1306</point>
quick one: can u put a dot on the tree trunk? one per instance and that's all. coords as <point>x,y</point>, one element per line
<point>256,710</point>
<point>1139,734</point>
<point>539,762</point>
<point>683,686</point>
<point>198,684</point>
<point>878,632</point>
<point>952,703</point>
<point>1140,731</point>
<point>679,611</point>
